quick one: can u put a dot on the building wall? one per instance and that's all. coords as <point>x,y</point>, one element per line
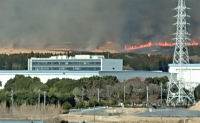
<point>68,64</point>
<point>129,74</point>
<point>29,64</point>
<point>76,63</point>
<point>111,64</point>
<point>190,74</point>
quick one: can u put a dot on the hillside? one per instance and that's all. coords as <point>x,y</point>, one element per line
<point>154,50</point>
<point>154,58</point>
<point>193,50</point>
<point>10,51</point>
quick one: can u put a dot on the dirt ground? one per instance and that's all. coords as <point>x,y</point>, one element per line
<point>195,107</point>
<point>126,117</point>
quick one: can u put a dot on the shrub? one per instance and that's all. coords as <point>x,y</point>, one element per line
<point>66,105</point>
<point>80,104</point>
<point>95,102</point>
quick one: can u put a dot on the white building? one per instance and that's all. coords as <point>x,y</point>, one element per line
<point>75,63</point>
<point>190,74</point>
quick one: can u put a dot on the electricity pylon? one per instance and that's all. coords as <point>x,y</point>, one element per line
<point>177,95</point>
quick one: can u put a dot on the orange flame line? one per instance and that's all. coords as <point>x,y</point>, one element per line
<point>109,42</point>
<point>161,44</point>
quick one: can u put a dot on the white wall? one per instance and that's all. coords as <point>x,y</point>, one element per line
<point>29,64</point>
<point>190,74</point>
<point>111,64</point>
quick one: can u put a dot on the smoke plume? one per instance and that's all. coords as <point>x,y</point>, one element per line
<point>85,24</point>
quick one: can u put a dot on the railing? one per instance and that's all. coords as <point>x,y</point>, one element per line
<point>88,110</point>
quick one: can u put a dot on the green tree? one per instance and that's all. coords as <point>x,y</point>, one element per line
<point>4,96</point>
<point>95,103</point>
<point>21,82</point>
<point>77,92</point>
<point>80,104</point>
<point>197,93</point>
<point>157,80</point>
<point>66,105</point>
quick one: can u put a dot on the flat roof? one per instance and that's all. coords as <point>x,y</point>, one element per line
<point>45,71</point>
<point>65,71</point>
<point>184,65</point>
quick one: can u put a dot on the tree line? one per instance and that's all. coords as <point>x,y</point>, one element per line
<point>131,61</point>
<point>84,92</point>
<point>80,93</point>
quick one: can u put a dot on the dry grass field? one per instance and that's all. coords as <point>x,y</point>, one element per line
<point>52,114</point>
<point>37,112</point>
<point>23,50</point>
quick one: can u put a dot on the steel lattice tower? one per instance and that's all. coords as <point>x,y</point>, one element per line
<point>176,93</point>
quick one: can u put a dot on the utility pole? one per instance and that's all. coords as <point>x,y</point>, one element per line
<point>108,93</point>
<point>147,96</point>
<point>39,97</point>
<point>11,96</point>
<point>82,93</point>
<point>124,94</point>
<point>161,91</point>
<point>98,94</point>
<point>44,98</point>
<point>94,113</point>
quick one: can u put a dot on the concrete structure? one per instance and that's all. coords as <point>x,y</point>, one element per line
<point>129,74</point>
<point>75,63</point>
<point>190,74</point>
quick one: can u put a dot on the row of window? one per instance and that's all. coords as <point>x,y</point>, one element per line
<point>67,68</point>
<point>66,63</point>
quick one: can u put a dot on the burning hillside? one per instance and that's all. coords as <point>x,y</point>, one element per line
<point>161,44</point>
<point>108,46</point>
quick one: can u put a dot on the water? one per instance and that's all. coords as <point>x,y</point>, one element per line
<point>21,121</point>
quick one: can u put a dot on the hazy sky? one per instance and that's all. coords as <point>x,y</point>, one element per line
<point>85,24</point>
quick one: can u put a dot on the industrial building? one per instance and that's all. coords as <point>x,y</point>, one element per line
<point>189,73</point>
<point>76,63</point>
<point>79,66</point>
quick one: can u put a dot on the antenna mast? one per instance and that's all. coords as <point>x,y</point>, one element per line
<point>176,86</point>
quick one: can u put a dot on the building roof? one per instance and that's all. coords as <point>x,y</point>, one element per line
<point>64,57</point>
<point>65,71</point>
<point>184,65</point>
<point>45,71</point>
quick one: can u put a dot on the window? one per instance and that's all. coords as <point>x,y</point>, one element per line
<point>66,65</point>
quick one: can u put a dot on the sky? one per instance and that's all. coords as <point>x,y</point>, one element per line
<point>86,24</point>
